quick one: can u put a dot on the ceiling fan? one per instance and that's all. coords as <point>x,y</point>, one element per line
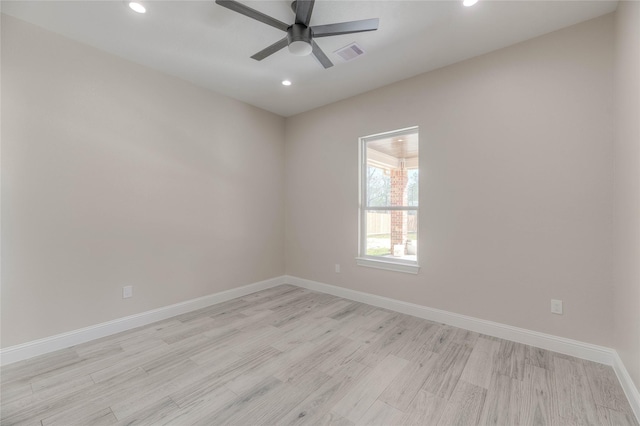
<point>300,36</point>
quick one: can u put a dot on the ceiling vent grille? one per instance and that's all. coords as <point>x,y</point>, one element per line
<point>350,51</point>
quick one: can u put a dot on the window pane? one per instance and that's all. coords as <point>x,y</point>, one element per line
<point>378,233</point>
<point>392,234</point>
<point>390,179</point>
<point>412,235</point>
<point>391,176</point>
<point>412,187</point>
<point>378,187</point>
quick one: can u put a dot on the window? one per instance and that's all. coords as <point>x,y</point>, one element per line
<point>389,200</point>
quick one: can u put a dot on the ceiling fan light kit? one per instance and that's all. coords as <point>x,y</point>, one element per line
<point>300,48</point>
<point>300,36</point>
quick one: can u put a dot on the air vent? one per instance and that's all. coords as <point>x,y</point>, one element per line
<point>350,51</point>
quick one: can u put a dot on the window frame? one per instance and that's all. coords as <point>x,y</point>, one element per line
<point>388,263</point>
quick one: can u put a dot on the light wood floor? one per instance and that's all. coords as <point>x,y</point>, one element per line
<point>291,356</point>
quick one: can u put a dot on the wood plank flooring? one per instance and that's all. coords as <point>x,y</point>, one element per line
<point>290,356</point>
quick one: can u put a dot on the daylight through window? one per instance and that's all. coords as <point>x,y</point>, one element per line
<point>389,198</point>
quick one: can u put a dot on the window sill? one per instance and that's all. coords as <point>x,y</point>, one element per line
<point>389,266</point>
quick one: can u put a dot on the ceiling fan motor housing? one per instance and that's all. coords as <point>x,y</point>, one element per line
<point>299,39</point>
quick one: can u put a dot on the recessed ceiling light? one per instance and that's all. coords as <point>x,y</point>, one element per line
<point>469,2</point>
<point>286,83</point>
<point>137,7</point>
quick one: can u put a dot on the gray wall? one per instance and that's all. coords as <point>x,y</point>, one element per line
<point>515,185</point>
<point>114,174</point>
<point>626,308</point>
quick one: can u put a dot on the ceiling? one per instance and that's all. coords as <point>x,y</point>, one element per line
<point>405,146</point>
<point>211,46</point>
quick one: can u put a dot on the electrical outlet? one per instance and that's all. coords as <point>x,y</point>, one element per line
<point>127,291</point>
<point>337,268</point>
<point>556,306</point>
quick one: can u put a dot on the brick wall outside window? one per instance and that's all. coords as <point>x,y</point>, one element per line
<point>398,198</point>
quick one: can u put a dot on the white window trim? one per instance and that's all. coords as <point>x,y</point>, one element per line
<point>379,262</point>
<point>394,265</point>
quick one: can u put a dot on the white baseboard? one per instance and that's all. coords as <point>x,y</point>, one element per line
<point>630,389</point>
<point>562,345</point>
<point>540,340</point>
<point>27,350</point>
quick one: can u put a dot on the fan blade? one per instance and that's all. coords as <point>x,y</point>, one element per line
<point>345,28</point>
<point>252,13</point>
<point>303,11</point>
<point>320,56</point>
<point>271,49</point>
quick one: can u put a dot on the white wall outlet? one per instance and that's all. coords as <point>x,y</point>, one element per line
<point>127,291</point>
<point>337,268</point>
<point>556,306</point>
